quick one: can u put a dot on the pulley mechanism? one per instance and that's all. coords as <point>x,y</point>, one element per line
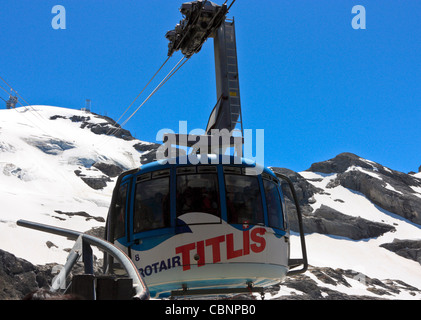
<point>201,19</point>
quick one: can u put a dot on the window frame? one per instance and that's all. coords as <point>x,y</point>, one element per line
<point>241,171</point>
<point>199,170</point>
<point>146,177</point>
<point>124,230</point>
<point>277,186</point>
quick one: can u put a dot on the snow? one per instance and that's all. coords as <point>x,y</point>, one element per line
<point>34,184</point>
<point>417,191</point>
<point>370,173</point>
<point>363,256</point>
<point>389,187</point>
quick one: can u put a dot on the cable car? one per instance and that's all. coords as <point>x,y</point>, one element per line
<point>202,228</point>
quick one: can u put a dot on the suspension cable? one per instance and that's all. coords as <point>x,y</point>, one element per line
<point>5,90</point>
<point>15,92</point>
<point>156,73</point>
<point>23,114</point>
<point>167,77</point>
<point>18,95</point>
<point>9,95</point>
<point>233,1</point>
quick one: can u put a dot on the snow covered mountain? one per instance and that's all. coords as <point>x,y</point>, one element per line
<point>53,162</point>
<point>58,166</point>
<point>363,225</point>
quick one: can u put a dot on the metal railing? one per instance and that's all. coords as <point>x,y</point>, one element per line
<point>83,249</point>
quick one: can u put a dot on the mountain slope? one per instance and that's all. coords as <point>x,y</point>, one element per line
<point>58,166</point>
<point>350,226</point>
<point>54,161</point>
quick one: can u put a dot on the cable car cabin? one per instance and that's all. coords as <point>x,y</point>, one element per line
<point>213,227</point>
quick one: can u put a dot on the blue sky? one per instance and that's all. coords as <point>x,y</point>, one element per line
<point>313,83</point>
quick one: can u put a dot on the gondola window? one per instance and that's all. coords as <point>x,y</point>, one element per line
<point>152,205</point>
<point>244,201</point>
<point>274,205</point>
<point>120,217</point>
<point>198,193</point>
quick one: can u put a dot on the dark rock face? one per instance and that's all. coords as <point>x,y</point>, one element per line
<point>55,117</point>
<point>148,151</point>
<point>97,183</point>
<point>410,249</point>
<point>80,214</point>
<point>109,127</point>
<point>308,289</point>
<point>105,128</point>
<point>386,188</point>
<point>304,190</point>
<point>19,277</point>
<point>143,147</point>
<point>110,169</point>
<point>326,220</point>
<point>400,200</point>
<point>344,161</point>
<point>97,232</point>
<point>79,118</point>
<point>339,164</point>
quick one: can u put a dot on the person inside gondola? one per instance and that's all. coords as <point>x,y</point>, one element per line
<point>144,215</point>
<point>187,200</point>
<point>209,204</point>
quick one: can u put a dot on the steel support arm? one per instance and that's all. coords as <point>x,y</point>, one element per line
<point>142,292</point>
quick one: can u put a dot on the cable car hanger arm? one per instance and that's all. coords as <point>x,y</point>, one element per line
<point>202,20</point>
<point>294,263</point>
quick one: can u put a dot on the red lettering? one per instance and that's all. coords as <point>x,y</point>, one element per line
<point>201,253</point>
<point>256,236</point>
<point>231,253</point>
<point>246,242</point>
<point>252,241</point>
<point>216,247</point>
<point>185,254</point>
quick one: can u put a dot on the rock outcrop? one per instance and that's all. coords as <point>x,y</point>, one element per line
<point>109,127</point>
<point>19,277</point>
<point>302,287</point>
<point>389,189</point>
<point>410,249</point>
<point>325,220</point>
